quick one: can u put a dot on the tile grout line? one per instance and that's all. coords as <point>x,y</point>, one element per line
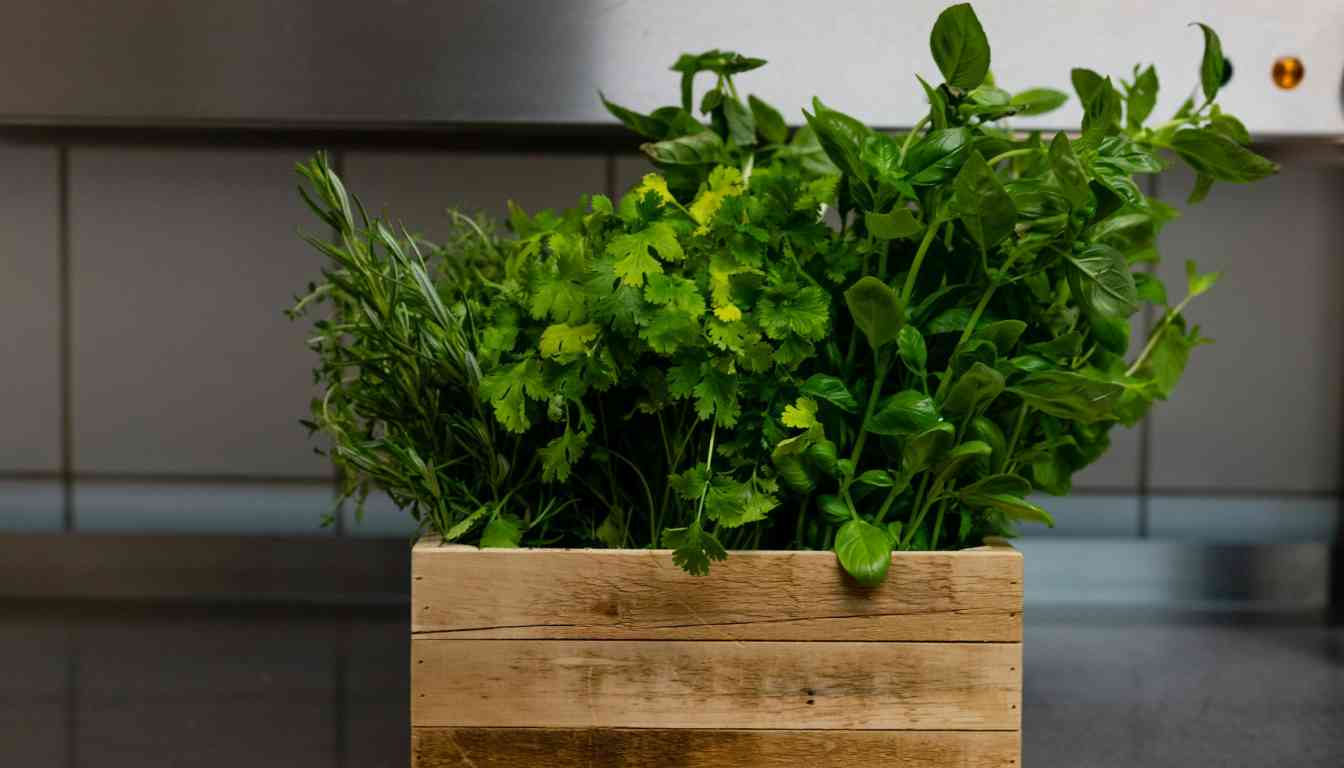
<point>66,334</point>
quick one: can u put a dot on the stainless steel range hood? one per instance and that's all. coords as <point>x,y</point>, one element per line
<point>415,63</point>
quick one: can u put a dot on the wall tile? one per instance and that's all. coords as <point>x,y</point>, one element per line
<point>183,261</point>
<point>1086,515</point>
<point>414,189</point>
<point>1258,520</point>
<point>381,519</point>
<point>114,507</point>
<point>30,311</point>
<point>30,506</point>
<point>1260,409</point>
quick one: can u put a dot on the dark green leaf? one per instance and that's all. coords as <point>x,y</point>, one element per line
<point>1103,281</point>
<point>864,551</point>
<point>645,125</point>
<point>841,136</point>
<point>1086,84</point>
<point>878,478</point>
<point>927,447</point>
<point>1068,171</point>
<point>938,156</point>
<point>1003,334</point>
<point>1065,346</point>
<point>982,203</point>
<point>741,123</point>
<point>704,148</point>
<point>1230,127</point>
<point>1141,97</point>
<point>904,413</point>
<point>1212,63</point>
<point>876,310</point>
<point>960,47</point>
<point>975,388</point>
<point>830,389</point>
<point>1215,155</point>
<point>1012,506</point>
<point>1069,395</point>
<point>1150,289</point>
<point>769,123</point>
<point>912,349</point>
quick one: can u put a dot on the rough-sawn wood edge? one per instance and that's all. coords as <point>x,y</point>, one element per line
<point>436,747</point>
<point>972,595</point>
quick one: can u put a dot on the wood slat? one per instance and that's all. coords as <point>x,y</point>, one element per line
<point>716,684</point>
<point>664,748</point>
<point>971,595</point>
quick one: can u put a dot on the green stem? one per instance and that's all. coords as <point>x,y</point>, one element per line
<point>910,137</point>
<point>924,244</point>
<point>995,160</point>
<point>918,520</point>
<point>709,469</point>
<point>887,502</point>
<point>1017,433</point>
<point>938,524</point>
<point>802,517</point>
<point>1155,335</point>
<point>882,366</point>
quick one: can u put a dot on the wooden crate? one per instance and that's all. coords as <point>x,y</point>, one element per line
<point>596,658</point>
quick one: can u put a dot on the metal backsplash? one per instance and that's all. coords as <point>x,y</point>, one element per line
<point>416,63</point>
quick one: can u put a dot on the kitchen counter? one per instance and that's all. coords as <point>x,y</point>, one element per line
<point>114,685</point>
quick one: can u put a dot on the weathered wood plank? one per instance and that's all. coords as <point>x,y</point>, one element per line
<point>716,684</point>
<point>972,595</point>
<point>663,748</point>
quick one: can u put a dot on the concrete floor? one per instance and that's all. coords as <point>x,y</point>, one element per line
<point>148,686</point>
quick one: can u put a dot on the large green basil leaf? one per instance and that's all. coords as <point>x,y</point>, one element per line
<point>960,47</point>
<point>864,551</point>
<point>830,389</point>
<point>1100,276</point>
<point>904,413</point>
<point>1215,155</point>
<point>876,310</point>
<point>1038,101</point>
<point>977,387</point>
<point>982,203</point>
<point>769,123</point>
<point>1068,171</point>
<point>937,156</point>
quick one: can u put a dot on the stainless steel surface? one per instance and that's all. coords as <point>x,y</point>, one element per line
<point>417,62</point>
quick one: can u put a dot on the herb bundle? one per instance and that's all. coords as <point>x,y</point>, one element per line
<point>706,364</point>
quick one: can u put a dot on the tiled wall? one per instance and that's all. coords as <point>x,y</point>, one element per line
<point>153,384</point>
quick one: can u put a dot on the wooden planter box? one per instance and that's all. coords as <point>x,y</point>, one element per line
<point>594,658</point>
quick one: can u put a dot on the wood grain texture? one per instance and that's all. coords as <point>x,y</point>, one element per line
<point>463,592</point>
<point>716,684</point>
<point>664,748</point>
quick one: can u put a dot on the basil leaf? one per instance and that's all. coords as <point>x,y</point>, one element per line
<point>830,389</point>
<point>960,47</point>
<point>1003,334</point>
<point>1150,288</point>
<point>912,350</point>
<point>1086,84</point>
<point>975,388</point>
<point>878,478</point>
<point>982,203</point>
<point>1216,156</point>
<point>1068,171</point>
<point>1141,97</point>
<point>741,123</point>
<point>703,148</point>
<point>864,551</point>
<point>904,413</point>
<point>840,135</point>
<point>876,310</point>
<point>1104,283</point>
<point>898,223</point>
<point>1069,395</point>
<point>769,123</point>
<point>937,156</point>
<point>1230,127</point>
<point>928,446</point>
<point>645,125</point>
<point>1038,101</point>
<point>1012,506</point>
<point>1212,63</point>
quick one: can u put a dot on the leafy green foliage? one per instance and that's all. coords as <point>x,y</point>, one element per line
<point>705,364</point>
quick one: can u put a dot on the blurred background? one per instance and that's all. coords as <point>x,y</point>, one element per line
<point>167,593</point>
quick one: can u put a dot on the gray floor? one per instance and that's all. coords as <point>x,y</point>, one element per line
<point>149,686</point>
